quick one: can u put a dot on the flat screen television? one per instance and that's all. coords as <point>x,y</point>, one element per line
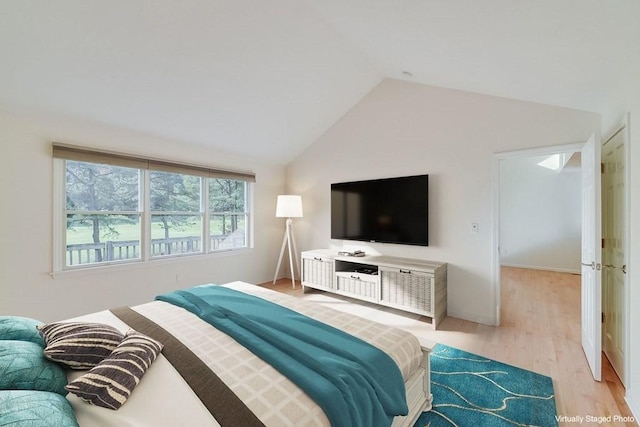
<point>390,210</point>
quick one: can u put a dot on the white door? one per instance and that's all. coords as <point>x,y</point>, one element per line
<point>591,257</point>
<point>614,267</point>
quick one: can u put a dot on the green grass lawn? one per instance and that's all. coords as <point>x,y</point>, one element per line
<point>83,234</point>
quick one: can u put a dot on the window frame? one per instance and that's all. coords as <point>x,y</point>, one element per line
<point>146,256</point>
<point>201,213</point>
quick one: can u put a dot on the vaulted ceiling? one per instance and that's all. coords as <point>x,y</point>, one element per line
<point>268,77</point>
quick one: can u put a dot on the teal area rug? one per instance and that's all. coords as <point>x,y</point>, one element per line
<point>471,390</point>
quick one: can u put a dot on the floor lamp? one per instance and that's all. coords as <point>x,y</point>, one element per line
<point>289,206</point>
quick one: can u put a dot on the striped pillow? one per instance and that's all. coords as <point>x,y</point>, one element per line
<point>79,345</point>
<point>110,384</point>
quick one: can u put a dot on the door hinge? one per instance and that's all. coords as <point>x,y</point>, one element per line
<point>602,243</point>
<point>603,317</point>
<point>601,167</point>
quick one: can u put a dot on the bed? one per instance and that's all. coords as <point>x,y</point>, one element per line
<point>163,397</point>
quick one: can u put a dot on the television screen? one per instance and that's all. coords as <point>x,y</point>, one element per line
<point>391,210</point>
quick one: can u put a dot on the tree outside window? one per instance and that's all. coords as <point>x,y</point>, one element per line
<point>105,215</point>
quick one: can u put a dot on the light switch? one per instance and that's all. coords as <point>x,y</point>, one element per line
<point>474,227</point>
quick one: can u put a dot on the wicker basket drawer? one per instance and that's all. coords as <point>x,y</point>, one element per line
<point>407,288</point>
<point>363,285</point>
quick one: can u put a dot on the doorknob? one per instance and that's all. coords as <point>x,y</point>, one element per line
<point>615,267</point>
<point>592,265</point>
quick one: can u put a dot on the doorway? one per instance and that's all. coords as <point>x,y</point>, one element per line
<point>540,241</point>
<point>540,212</point>
<point>522,246</point>
<point>615,298</point>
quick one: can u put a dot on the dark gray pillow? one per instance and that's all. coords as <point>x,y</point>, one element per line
<point>79,345</point>
<point>110,384</point>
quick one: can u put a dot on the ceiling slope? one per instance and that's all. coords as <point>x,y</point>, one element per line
<point>262,78</point>
<point>569,53</point>
<point>268,78</point>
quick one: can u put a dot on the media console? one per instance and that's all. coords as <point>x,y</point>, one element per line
<point>411,285</point>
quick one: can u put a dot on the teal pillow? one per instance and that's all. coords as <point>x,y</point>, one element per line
<point>29,408</point>
<point>20,329</point>
<point>23,367</point>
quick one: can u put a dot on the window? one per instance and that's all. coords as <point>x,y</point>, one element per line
<point>176,216</point>
<point>117,208</point>
<point>103,214</point>
<point>228,213</point>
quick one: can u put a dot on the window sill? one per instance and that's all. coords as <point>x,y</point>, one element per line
<point>141,265</point>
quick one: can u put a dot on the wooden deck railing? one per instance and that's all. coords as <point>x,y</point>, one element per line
<point>88,253</point>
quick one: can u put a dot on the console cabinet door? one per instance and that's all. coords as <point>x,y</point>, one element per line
<point>318,272</point>
<point>407,288</point>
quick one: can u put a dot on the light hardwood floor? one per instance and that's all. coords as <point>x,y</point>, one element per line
<point>540,332</point>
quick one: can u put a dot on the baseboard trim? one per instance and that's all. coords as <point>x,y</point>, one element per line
<point>633,402</point>
<point>537,267</point>
<point>470,317</point>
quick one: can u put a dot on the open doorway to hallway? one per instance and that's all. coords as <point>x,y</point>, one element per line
<point>538,226</point>
<point>540,212</point>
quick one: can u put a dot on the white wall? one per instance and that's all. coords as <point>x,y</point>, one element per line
<point>403,128</point>
<point>26,286</point>
<point>540,215</point>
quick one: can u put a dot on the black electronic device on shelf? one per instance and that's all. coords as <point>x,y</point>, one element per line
<point>367,270</point>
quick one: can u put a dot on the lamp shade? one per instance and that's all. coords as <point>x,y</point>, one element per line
<point>289,206</point>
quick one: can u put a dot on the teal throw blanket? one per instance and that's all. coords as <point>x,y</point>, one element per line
<point>355,383</point>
